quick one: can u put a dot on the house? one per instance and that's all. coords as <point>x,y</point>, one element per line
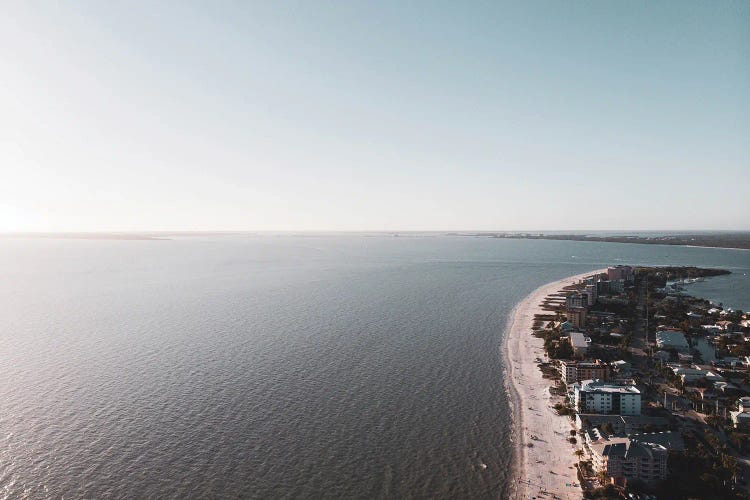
<point>684,357</point>
<point>672,339</point>
<point>725,326</point>
<point>662,356</point>
<point>688,375</point>
<point>621,367</point>
<point>727,388</point>
<point>740,420</point>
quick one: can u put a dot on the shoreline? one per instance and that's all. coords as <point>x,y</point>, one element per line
<point>549,464</point>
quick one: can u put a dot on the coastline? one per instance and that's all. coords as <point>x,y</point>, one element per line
<point>548,465</point>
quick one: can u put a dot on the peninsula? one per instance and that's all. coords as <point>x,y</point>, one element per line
<point>738,240</point>
<point>623,384</point>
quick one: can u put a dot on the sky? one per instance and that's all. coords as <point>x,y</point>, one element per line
<point>336,116</point>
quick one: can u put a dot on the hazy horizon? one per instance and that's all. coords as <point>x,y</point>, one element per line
<point>469,231</point>
<point>150,116</point>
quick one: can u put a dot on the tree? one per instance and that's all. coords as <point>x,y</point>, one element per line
<point>731,467</point>
<point>602,476</point>
<point>713,420</point>
<point>738,439</point>
<point>712,440</point>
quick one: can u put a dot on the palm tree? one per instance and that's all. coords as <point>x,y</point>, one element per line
<point>578,453</point>
<point>731,466</point>
<point>602,475</point>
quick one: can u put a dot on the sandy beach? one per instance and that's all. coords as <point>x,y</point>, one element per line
<point>546,469</point>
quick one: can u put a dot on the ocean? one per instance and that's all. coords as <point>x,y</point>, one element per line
<point>276,366</point>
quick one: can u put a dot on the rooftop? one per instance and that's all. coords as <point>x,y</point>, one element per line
<point>627,448</point>
<point>602,386</point>
<point>670,440</point>
<point>577,339</point>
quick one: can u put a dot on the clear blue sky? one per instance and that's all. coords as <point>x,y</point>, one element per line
<point>381,115</point>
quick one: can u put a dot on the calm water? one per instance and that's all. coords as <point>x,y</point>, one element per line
<point>274,366</point>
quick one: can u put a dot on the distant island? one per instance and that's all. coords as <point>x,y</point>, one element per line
<point>88,236</point>
<point>712,240</point>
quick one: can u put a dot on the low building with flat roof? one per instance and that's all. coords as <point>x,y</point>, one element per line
<point>578,343</point>
<point>688,375</point>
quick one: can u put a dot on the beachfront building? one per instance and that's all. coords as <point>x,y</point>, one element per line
<point>577,299</point>
<point>624,273</point>
<point>598,396</point>
<point>621,424</point>
<point>578,371</point>
<point>579,344</point>
<point>672,339</point>
<point>624,459</point>
<point>577,316</point>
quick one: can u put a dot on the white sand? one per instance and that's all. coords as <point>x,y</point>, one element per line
<point>549,465</point>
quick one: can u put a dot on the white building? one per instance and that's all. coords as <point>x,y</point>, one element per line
<point>578,343</point>
<point>741,418</point>
<point>598,396</point>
